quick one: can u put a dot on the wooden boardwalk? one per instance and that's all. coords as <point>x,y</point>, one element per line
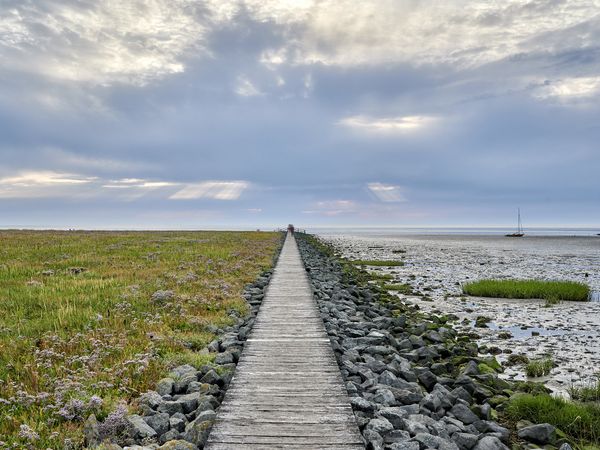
<point>287,391</point>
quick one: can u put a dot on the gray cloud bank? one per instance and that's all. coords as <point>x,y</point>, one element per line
<point>155,113</point>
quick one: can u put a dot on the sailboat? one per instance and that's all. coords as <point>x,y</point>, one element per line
<point>519,232</point>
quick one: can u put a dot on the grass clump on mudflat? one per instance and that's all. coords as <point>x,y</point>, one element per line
<point>586,393</point>
<point>377,263</point>
<point>405,289</point>
<point>539,367</point>
<point>580,421</point>
<point>89,319</point>
<point>546,290</point>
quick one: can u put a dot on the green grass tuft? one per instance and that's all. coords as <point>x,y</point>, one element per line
<point>587,393</point>
<point>363,262</point>
<point>539,367</point>
<point>548,290</point>
<point>400,288</point>
<point>581,422</point>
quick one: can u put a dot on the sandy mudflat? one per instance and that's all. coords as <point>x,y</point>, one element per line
<point>437,265</point>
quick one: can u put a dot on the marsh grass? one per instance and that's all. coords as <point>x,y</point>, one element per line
<point>539,367</point>
<point>580,421</point>
<point>587,393</point>
<point>405,289</point>
<point>377,263</point>
<point>79,330</point>
<point>551,291</point>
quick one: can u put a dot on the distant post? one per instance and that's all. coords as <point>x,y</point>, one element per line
<point>291,228</point>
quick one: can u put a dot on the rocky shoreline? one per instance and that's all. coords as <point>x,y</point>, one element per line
<point>436,266</point>
<point>178,414</point>
<point>414,382</point>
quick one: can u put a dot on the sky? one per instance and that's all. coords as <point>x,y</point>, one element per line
<point>258,113</point>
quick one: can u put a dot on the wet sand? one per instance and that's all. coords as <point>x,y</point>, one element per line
<point>437,265</point>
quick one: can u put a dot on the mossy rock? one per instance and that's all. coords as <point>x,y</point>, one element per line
<point>497,400</point>
<point>485,369</point>
<point>493,363</point>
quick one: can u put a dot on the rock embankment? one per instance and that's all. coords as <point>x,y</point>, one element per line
<point>414,383</point>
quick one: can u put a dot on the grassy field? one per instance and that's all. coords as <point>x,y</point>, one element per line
<point>82,326</point>
<point>546,290</point>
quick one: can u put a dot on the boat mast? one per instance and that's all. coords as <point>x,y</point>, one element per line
<point>519,227</point>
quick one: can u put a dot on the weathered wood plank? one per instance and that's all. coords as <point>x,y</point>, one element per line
<point>287,391</point>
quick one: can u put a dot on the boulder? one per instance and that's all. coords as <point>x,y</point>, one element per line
<point>542,434</point>
<point>158,422</point>
<point>139,428</point>
<point>165,386</point>
<point>198,430</point>
<point>490,443</point>
<point>178,445</point>
<point>464,414</point>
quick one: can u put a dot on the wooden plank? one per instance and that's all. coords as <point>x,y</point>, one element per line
<point>287,391</point>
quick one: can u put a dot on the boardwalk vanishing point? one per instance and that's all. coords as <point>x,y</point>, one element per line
<point>287,391</point>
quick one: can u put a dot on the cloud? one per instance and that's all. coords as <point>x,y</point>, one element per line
<point>245,88</point>
<point>44,178</point>
<point>386,124</point>
<point>119,42</point>
<point>129,183</point>
<point>570,88</point>
<point>39,184</point>
<point>387,192</point>
<point>332,207</point>
<point>218,190</point>
<point>460,107</point>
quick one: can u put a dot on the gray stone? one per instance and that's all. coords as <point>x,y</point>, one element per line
<point>152,399</point>
<point>394,415</point>
<point>374,440</point>
<point>465,441</point>
<point>91,433</point>
<point>170,407</point>
<point>178,445</point>
<point>427,379</point>
<point>182,370</point>
<point>490,443</point>
<point>485,426</point>
<point>361,404</point>
<point>384,397</point>
<point>165,386</point>
<point>414,427</point>
<point>159,422</point>
<point>406,445</point>
<point>198,430</point>
<point>447,445</point>
<point>189,402</point>
<point>140,429</point>
<point>177,423</point>
<point>224,358</point>
<point>427,440</point>
<point>389,379</point>
<point>464,414</point>
<point>381,426</point>
<point>542,434</point>
<point>211,377</point>
<point>170,435</point>
<point>565,446</point>
<point>181,383</point>
<point>395,436</point>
